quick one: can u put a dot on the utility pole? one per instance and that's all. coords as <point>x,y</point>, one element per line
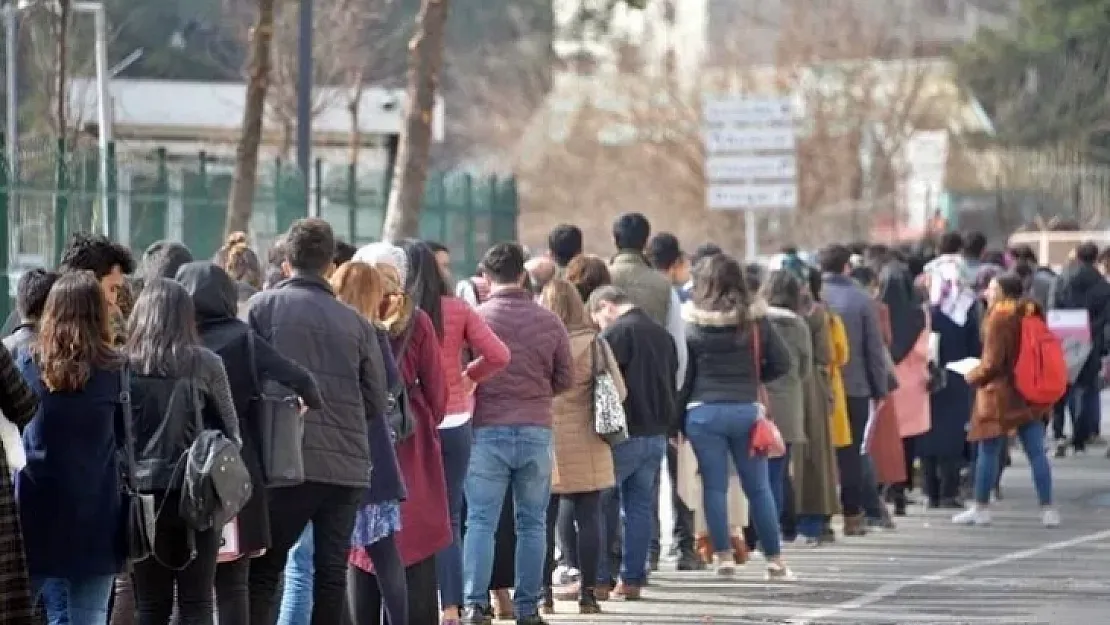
<point>304,101</point>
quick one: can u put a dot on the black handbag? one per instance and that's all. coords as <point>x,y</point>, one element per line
<point>280,427</point>
<point>139,507</point>
<point>399,410</point>
<point>215,482</point>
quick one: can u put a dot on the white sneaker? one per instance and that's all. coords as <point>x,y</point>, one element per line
<point>973,516</point>
<point>779,573</point>
<point>1050,517</point>
<point>724,564</point>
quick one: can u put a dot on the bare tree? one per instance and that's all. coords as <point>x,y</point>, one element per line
<point>402,218</point>
<point>244,178</point>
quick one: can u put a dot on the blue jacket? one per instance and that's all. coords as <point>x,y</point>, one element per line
<point>70,502</point>
<point>865,375</point>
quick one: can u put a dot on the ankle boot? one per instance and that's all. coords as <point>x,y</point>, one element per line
<point>587,602</point>
<point>703,546</point>
<point>739,550</point>
<point>547,606</point>
<point>855,525</point>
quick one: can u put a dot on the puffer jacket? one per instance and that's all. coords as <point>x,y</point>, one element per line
<point>722,367</point>
<point>786,394</point>
<point>539,366</point>
<point>583,461</point>
<point>304,322</point>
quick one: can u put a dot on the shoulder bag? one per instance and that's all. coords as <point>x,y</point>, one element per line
<point>401,419</point>
<point>766,440</point>
<point>280,425</point>
<point>139,507</point>
<point>610,420</point>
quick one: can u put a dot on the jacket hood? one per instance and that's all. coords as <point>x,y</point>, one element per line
<point>721,319</point>
<point>215,295</point>
<point>774,312</point>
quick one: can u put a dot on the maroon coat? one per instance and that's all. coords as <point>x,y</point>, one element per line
<point>425,523</point>
<point>540,366</point>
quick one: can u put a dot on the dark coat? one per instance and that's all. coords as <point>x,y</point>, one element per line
<point>214,297</point>
<point>1082,286</point>
<point>302,319</point>
<point>69,494</point>
<point>950,408</point>
<point>999,408</point>
<point>19,405</point>
<point>386,483</point>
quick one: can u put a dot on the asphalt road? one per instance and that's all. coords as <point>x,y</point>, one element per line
<point>928,571</point>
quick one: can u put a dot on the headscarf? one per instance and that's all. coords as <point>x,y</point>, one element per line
<point>397,305</point>
<point>382,253</point>
<point>949,281</point>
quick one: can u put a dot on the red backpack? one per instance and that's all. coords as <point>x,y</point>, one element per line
<point>1041,372</point>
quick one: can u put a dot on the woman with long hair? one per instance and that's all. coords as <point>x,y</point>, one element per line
<point>583,465</point>
<point>733,351</point>
<point>425,527</point>
<point>471,353</point>
<point>588,273</point>
<point>360,286</point>
<point>69,494</point>
<point>249,361</point>
<point>999,407</point>
<point>175,381</point>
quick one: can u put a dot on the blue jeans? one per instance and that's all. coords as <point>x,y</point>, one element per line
<point>812,525</point>
<point>988,459</point>
<point>636,462</point>
<point>455,443</point>
<point>77,601</point>
<point>504,457</point>
<point>717,431</point>
<point>296,598</point>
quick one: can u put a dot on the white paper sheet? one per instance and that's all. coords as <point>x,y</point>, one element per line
<point>962,367</point>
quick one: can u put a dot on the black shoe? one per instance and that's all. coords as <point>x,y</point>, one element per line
<point>534,619</point>
<point>689,562</point>
<point>951,503</point>
<point>476,615</point>
<point>547,606</point>
<point>900,508</point>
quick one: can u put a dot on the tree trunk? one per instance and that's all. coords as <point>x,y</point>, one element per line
<point>402,218</point>
<point>241,202</point>
<point>354,145</point>
<point>61,76</point>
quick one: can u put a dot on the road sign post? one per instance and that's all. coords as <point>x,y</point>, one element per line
<point>750,159</point>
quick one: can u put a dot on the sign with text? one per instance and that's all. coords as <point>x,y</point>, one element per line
<point>750,161</point>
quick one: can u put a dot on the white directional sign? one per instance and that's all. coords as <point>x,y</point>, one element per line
<point>745,167</point>
<point>749,140</point>
<point>748,111</point>
<point>757,197</point>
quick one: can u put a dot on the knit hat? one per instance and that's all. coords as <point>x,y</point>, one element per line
<point>382,253</point>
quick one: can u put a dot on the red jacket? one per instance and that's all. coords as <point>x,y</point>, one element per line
<point>464,327</point>
<point>425,525</point>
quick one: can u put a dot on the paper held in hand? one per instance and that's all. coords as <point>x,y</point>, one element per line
<point>964,366</point>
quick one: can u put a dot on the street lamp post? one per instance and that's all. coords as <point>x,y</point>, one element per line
<point>304,101</point>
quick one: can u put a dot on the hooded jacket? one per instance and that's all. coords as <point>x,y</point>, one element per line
<point>214,297</point>
<point>162,260</point>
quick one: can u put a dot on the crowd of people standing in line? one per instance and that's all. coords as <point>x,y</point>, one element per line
<point>450,435</point>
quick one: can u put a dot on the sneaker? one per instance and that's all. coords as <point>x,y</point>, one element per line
<point>1050,518</point>
<point>779,573</point>
<point>972,516</point>
<point>724,564</point>
<point>476,615</point>
<point>532,619</point>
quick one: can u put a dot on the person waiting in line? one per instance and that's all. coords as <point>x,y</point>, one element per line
<point>1000,408</point>
<point>30,300</point>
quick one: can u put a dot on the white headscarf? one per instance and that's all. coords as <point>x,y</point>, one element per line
<point>382,253</point>
<point>949,283</point>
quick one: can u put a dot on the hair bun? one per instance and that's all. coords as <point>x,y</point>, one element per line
<point>237,239</point>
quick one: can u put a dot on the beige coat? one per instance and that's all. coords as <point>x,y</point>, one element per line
<point>690,491</point>
<point>583,461</point>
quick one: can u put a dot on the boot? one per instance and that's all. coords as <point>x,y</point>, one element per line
<point>855,525</point>
<point>547,606</point>
<point>739,550</point>
<point>587,603</point>
<point>703,546</point>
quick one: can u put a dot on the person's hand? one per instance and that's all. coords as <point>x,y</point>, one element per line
<point>469,386</point>
<point>677,440</point>
<point>301,406</point>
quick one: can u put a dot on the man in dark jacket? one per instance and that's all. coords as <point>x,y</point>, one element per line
<point>1081,286</point>
<point>304,322</point>
<point>865,379</point>
<point>649,364</point>
<point>30,300</point>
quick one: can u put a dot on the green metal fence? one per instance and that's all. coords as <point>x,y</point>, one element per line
<point>54,190</point>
